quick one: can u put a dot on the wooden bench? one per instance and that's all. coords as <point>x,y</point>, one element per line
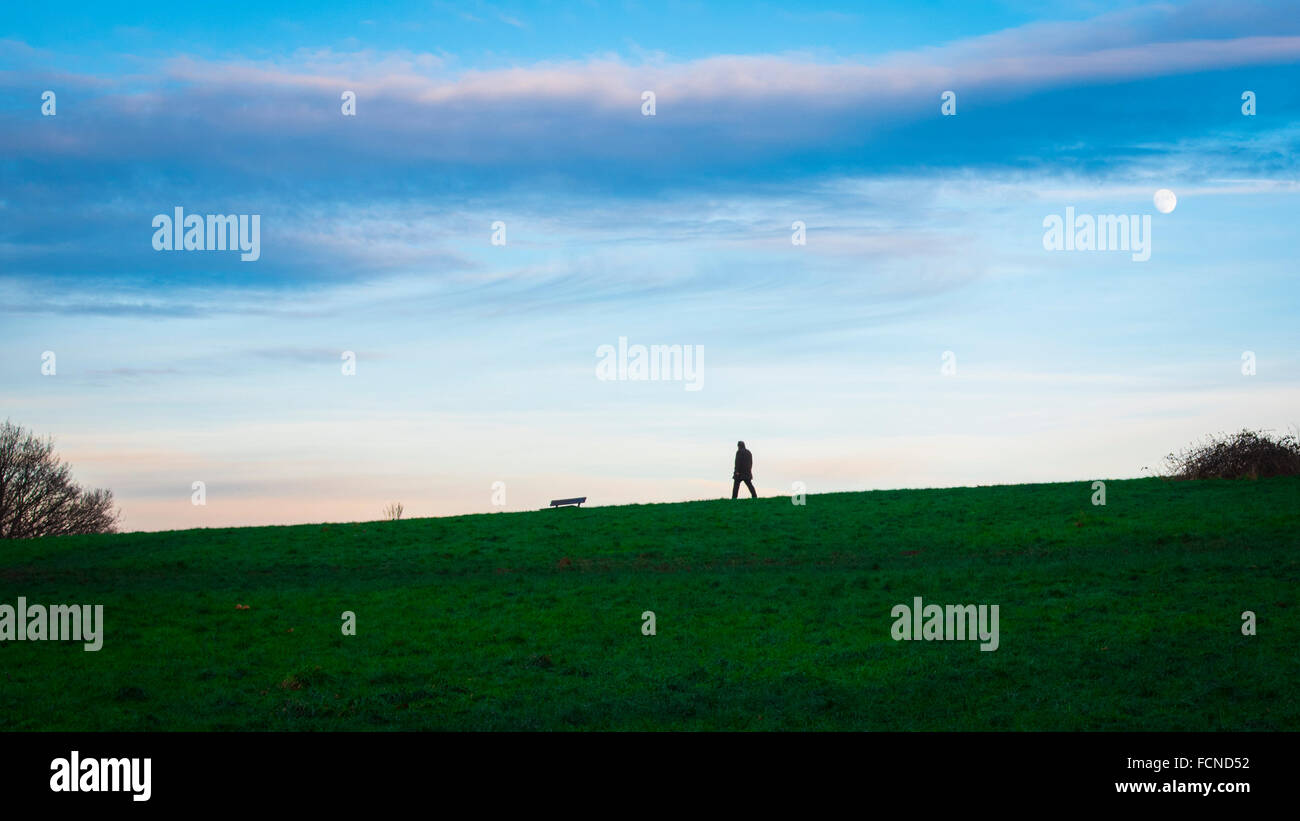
<point>563,502</point>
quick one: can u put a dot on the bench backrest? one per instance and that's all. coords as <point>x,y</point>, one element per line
<point>563,502</point>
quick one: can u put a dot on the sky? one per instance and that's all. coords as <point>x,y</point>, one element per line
<point>503,203</point>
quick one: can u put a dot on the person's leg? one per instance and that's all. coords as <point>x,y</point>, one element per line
<point>752,493</point>
<point>735,488</point>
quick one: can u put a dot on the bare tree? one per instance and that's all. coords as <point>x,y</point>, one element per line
<point>38,496</point>
<point>393,512</point>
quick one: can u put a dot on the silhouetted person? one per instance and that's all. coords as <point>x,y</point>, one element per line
<point>744,471</point>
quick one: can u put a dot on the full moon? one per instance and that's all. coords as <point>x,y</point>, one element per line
<point>1165,200</point>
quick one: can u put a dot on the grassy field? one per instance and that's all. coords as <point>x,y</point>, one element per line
<point>769,616</point>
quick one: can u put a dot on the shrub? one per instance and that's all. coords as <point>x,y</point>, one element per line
<point>1246,454</point>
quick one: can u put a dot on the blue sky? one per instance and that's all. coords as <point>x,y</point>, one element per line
<point>500,33</point>
<point>476,362</point>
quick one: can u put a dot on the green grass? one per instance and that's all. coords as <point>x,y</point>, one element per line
<point>769,615</point>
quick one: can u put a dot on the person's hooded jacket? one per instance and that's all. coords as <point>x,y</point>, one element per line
<point>744,465</point>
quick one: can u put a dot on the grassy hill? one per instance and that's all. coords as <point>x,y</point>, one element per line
<point>769,616</point>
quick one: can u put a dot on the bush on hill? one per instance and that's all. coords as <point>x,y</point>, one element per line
<point>1244,455</point>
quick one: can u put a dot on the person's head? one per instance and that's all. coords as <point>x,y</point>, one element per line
<point>740,445</point>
